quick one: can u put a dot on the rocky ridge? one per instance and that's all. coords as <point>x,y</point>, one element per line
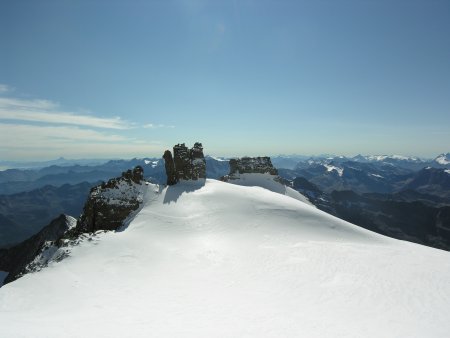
<point>107,208</point>
<point>248,165</point>
<point>109,204</point>
<point>18,259</point>
<point>251,165</point>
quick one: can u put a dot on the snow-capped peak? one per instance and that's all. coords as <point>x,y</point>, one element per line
<point>331,168</point>
<point>379,158</point>
<point>443,159</point>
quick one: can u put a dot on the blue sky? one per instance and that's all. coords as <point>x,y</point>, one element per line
<point>131,78</point>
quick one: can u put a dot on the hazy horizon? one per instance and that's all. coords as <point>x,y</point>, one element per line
<point>114,79</point>
<point>300,156</point>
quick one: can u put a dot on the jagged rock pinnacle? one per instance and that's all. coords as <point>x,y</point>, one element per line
<point>186,164</point>
<point>170,168</point>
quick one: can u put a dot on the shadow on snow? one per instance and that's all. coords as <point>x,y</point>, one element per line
<point>173,192</point>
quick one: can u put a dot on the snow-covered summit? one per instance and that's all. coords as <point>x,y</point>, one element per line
<point>380,158</point>
<point>269,182</point>
<point>443,159</point>
<point>213,259</point>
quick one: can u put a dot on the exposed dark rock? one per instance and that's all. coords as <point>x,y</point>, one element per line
<point>253,165</point>
<point>170,168</point>
<point>187,164</point>
<point>16,259</point>
<point>109,204</point>
<point>198,161</point>
<point>182,160</point>
<point>136,175</point>
<point>248,165</point>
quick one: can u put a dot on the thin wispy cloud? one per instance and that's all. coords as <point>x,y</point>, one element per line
<point>4,88</point>
<point>37,141</point>
<point>45,111</point>
<point>154,126</point>
<point>25,135</point>
<point>37,128</point>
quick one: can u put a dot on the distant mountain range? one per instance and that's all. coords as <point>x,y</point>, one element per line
<point>389,195</point>
<point>397,185</point>
<point>380,174</point>
<point>18,180</point>
<point>25,213</point>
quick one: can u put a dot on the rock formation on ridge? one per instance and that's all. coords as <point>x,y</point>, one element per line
<point>198,161</point>
<point>248,165</point>
<point>186,164</point>
<point>109,204</point>
<point>251,165</point>
<point>170,168</point>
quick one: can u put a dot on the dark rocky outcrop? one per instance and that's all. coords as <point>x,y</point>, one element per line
<point>187,164</point>
<point>248,165</point>
<point>251,165</point>
<point>109,204</point>
<point>198,161</point>
<point>182,160</point>
<point>170,168</point>
<point>16,259</point>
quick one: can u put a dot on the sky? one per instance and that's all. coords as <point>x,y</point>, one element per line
<point>123,79</point>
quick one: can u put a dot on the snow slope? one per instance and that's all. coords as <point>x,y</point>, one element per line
<point>268,182</point>
<point>222,260</point>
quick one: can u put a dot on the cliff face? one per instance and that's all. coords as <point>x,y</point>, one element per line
<point>109,204</point>
<point>186,164</point>
<point>170,168</point>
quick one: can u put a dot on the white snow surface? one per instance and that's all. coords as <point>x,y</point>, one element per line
<point>123,193</point>
<point>223,260</point>
<point>220,159</point>
<point>443,159</point>
<point>71,222</point>
<point>330,168</point>
<point>269,182</point>
<point>379,158</point>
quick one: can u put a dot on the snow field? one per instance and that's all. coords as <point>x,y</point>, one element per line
<point>223,260</point>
